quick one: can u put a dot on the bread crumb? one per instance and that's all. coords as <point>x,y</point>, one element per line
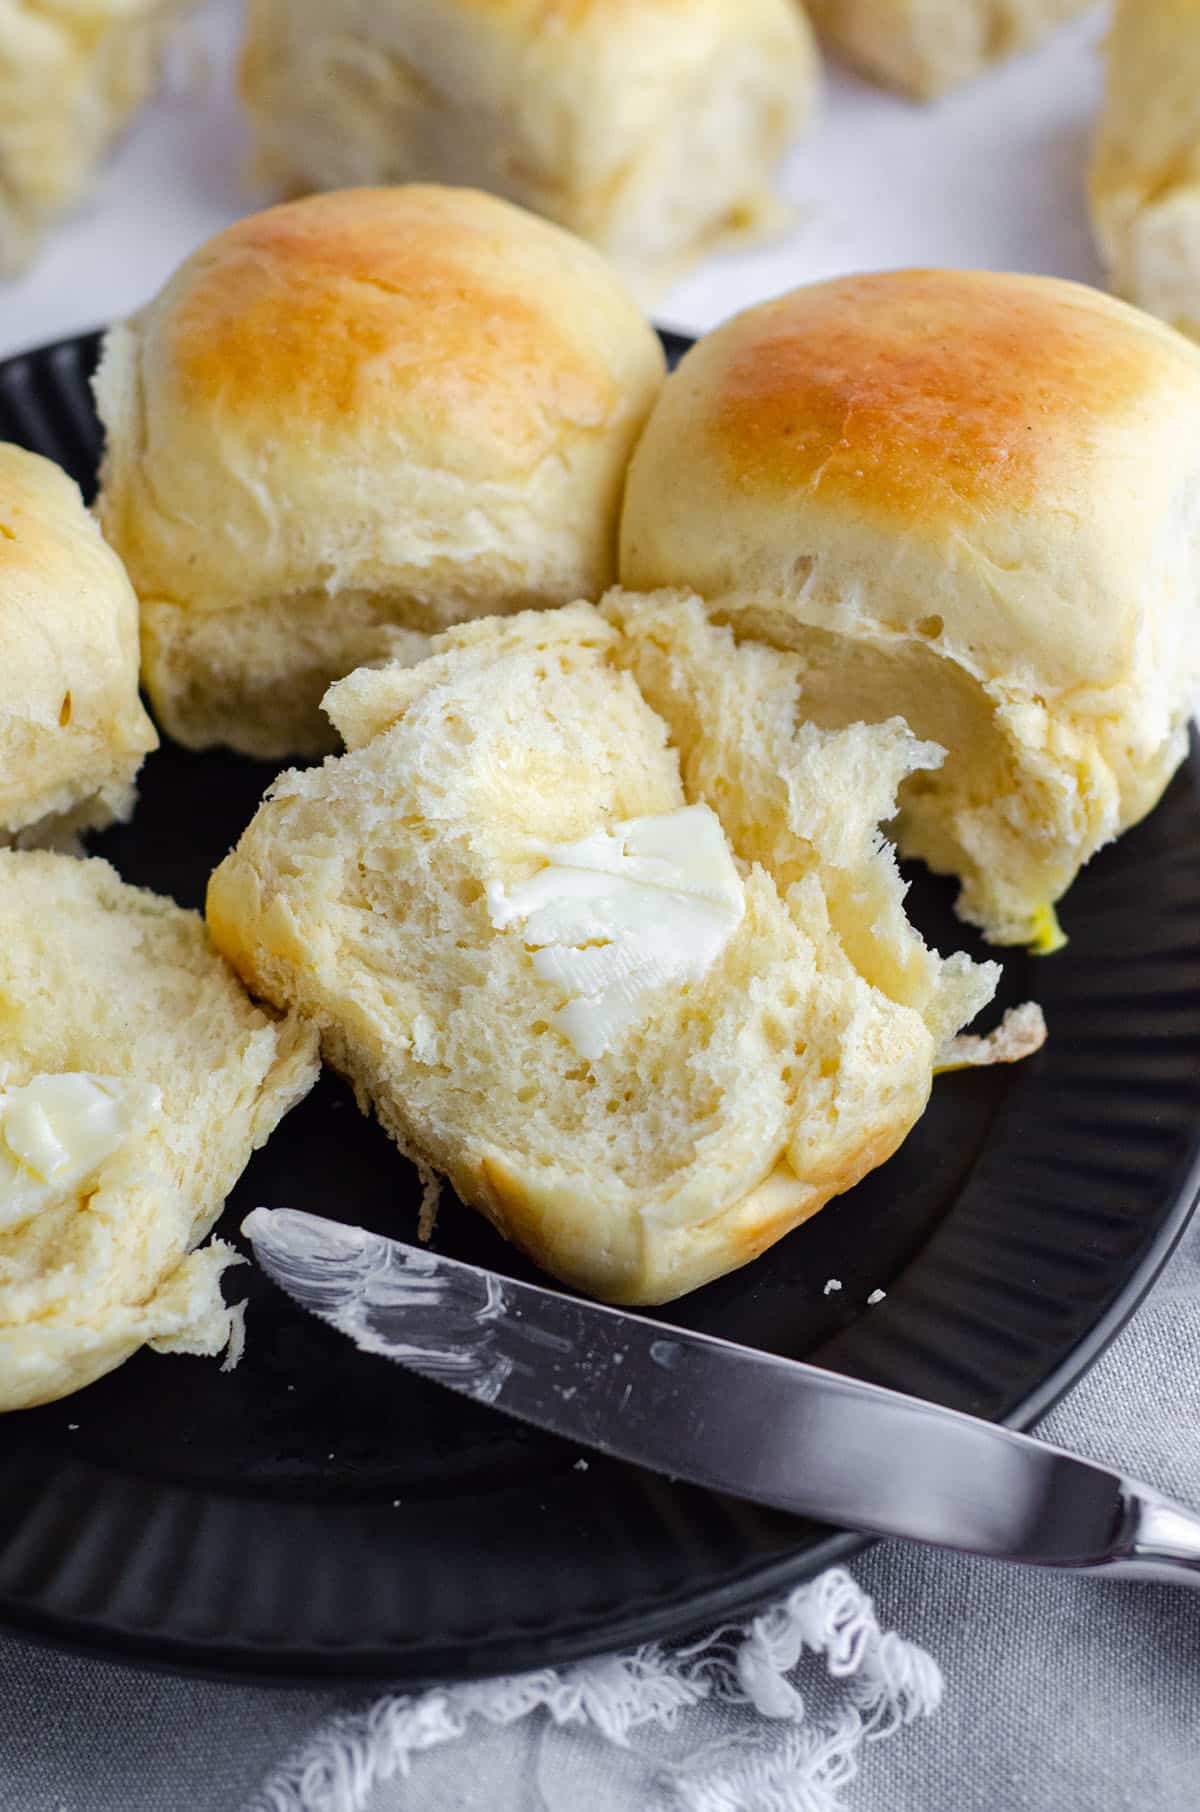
<point>395,1503</point>
<point>71,1427</point>
<point>236,1344</point>
<point>832,1284</point>
<point>581,1465</point>
<point>1020,1033</point>
<point>431,1190</point>
<point>875,1296</point>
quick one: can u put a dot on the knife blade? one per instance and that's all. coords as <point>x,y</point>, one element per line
<point>694,1407</point>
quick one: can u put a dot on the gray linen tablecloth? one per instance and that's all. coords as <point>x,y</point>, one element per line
<point>1060,1695</point>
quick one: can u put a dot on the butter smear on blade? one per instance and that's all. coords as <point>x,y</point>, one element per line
<point>57,1130</point>
<point>622,911</point>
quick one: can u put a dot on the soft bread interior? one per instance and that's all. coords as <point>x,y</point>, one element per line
<point>729,1108</point>
<point>99,977</point>
<point>1021,796</point>
<point>755,745</point>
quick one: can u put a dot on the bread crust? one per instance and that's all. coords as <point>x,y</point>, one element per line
<point>73,733</point>
<point>349,421</point>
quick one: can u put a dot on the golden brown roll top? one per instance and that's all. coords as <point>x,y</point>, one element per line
<point>72,729</point>
<point>353,418</point>
<point>970,498</point>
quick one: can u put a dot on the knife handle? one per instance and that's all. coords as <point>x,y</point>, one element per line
<point>1160,1539</point>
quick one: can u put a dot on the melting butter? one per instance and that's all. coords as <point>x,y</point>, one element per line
<point>57,1130</point>
<point>1046,934</point>
<point>623,911</point>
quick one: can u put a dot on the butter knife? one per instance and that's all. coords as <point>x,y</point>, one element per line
<point>716,1414</point>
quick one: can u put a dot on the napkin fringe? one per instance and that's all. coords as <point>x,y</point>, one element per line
<point>799,1766</point>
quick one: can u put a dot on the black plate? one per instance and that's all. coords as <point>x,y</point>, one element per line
<point>318,1512</point>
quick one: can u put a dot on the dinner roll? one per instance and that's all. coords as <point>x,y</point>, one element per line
<point>970,499</point>
<point>1145,177</point>
<point>352,420</point>
<point>72,729</point>
<point>924,47</point>
<point>136,1079</point>
<point>72,75</point>
<point>604,938</point>
<point>651,127</point>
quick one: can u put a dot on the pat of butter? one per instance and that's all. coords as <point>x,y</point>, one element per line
<point>621,912</point>
<point>57,1130</point>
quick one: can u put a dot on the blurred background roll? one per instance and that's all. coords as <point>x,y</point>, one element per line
<point>650,127</point>
<point>925,47</point>
<point>1145,177</point>
<point>72,75</point>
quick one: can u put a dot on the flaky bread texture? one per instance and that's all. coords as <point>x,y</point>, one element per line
<point>72,75</point>
<point>925,47</point>
<point>969,498</point>
<point>353,420</point>
<point>101,977</point>
<point>728,1109</point>
<point>1145,173</point>
<point>650,127</point>
<point>73,733</point>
